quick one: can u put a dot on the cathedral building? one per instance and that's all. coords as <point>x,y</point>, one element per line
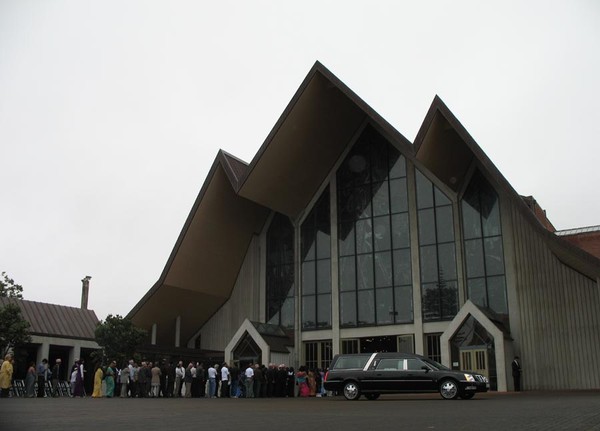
<point>342,236</point>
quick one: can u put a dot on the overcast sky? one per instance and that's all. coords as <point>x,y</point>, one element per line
<point>112,112</point>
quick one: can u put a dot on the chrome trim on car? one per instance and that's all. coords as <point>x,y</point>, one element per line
<point>369,362</point>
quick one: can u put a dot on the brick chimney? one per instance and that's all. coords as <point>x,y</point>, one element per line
<point>85,292</point>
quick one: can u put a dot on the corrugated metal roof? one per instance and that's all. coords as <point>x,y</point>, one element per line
<point>578,230</point>
<point>56,320</point>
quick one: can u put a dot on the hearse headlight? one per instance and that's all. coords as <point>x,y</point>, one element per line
<point>469,378</point>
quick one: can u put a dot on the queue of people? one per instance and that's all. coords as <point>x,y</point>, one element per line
<point>47,378</point>
<point>168,379</point>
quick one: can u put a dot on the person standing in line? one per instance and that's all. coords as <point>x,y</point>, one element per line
<point>187,378</point>
<point>155,380</point>
<point>133,380</point>
<point>179,375</point>
<point>234,377</point>
<point>258,378</point>
<point>224,381</point>
<point>171,379</point>
<point>110,379</point>
<point>124,380</point>
<point>290,386</point>
<point>194,388</point>
<point>79,390</point>
<point>516,373</point>
<point>280,381</point>
<point>302,382</point>
<point>55,377</point>
<point>270,374</point>
<point>30,381</point>
<point>148,372</point>
<point>6,372</point>
<point>201,375</point>
<point>42,377</point>
<point>98,376</point>
<point>141,381</point>
<point>73,379</point>
<point>212,382</point>
<point>249,381</point>
<point>130,387</point>
<point>164,374</point>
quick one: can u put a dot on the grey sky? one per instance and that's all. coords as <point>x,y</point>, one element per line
<point>111,112</point>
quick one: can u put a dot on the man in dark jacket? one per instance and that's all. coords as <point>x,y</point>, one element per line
<point>516,373</point>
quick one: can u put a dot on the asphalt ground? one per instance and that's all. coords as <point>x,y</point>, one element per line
<point>490,411</point>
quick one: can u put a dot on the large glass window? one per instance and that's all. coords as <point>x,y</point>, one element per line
<point>484,255</point>
<point>437,251</point>
<point>374,235</point>
<point>280,272</point>
<point>316,266</point>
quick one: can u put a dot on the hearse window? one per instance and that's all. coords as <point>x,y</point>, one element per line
<point>414,364</point>
<point>350,362</point>
<point>390,364</point>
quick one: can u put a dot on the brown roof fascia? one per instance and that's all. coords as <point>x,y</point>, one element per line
<point>377,119</point>
<point>161,279</point>
<point>438,106</point>
<point>222,159</point>
<point>354,98</point>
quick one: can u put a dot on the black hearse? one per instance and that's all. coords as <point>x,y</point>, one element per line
<point>387,373</point>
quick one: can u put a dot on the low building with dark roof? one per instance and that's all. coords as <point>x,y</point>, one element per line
<point>350,238</point>
<point>57,332</point>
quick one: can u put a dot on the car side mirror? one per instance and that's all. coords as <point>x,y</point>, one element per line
<point>425,368</point>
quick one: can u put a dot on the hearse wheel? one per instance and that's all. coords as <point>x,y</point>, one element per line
<point>449,389</point>
<point>351,391</point>
<point>467,395</point>
<point>372,397</point>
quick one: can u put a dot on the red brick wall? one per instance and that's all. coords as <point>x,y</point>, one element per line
<point>589,242</point>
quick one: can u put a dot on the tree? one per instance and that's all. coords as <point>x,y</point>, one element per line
<point>14,330</point>
<point>119,337</point>
<point>8,288</point>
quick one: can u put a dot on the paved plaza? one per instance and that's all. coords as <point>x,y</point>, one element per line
<point>491,411</point>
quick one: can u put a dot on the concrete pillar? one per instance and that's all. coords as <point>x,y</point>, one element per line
<point>74,354</point>
<point>178,331</point>
<point>335,283</point>
<point>153,338</point>
<point>43,352</point>
<point>414,251</point>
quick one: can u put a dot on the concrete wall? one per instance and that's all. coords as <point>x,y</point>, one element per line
<point>244,303</point>
<point>559,340</point>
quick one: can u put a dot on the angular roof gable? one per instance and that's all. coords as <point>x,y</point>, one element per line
<point>307,140</point>
<point>447,149</point>
<point>203,265</point>
<point>293,161</point>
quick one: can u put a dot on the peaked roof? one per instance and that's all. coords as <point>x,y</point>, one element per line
<point>52,320</point>
<point>294,160</point>
<point>445,147</point>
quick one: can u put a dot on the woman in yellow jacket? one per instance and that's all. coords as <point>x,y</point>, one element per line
<point>98,376</point>
<point>6,373</point>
